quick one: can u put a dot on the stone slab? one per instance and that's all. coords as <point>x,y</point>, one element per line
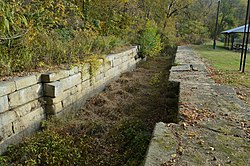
<point>7,87</point>
<point>163,144</point>
<point>26,95</point>
<point>23,82</point>
<point>55,76</point>
<point>4,104</point>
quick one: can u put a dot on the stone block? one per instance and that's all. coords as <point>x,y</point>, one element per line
<point>85,76</point>
<point>51,77</point>
<point>4,104</point>
<point>125,59</point>
<point>73,90</point>
<point>53,89</point>
<point>99,77</point>
<point>27,108</point>
<point>34,117</point>
<point>116,62</point>
<point>100,69</point>
<point>79,88</point>
<point>6,131</point>
<point>86,84</point>
<point>23,82</point>
<point>107,66</point>
<point>69,100</point>
<point>55,100</point>
<point>71,81</point>
<point>7,87</point>
<point>7,117</point>
<point>25,95</point>
<point>54,108</point>
<point>74,70</point>
<point>39,77</point>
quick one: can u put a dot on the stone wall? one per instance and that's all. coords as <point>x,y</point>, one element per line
<point>26,101</point>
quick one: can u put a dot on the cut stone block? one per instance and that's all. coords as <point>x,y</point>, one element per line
<point>99,77</point>
<point>71,81</point>
<point>51,77</point>
<point>25,95</point>
<point>85,76</point>
<point>73,71</point>
<point>116,62</point>
<point>7,87</point>
<point>34,117</point>
<point>4,104</point>
<point>53,89</point>
<point>86,84</point>
<point>162,145</point>
<point>23,82</point>
<point>7,117</point>
<point>6,131</point>
<point>61,97</point>
<point>54,108</point>
<point>27,108</point>
<point>107,66</point>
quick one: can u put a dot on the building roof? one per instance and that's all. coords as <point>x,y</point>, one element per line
<point>235,30</point>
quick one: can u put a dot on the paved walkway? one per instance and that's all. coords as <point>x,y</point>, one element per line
<point>215,124</point>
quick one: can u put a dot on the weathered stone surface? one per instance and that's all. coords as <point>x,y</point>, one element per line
<point>5,132</point>
<point>71,81</point>
<point>39,77</point>
<point>7,87</point>
<point>34,117</point>
<point>55,100</point>
<point>69,100</point>
<point>74,70</point>
<point>73,90</point>
<point>25,95</point>
<point>125,58</point>
<point>7,117</point>
<point>54,108</point>
<point>23,82</point>
<point>86,84</point>
<point>51,77</point>
<point>4,104</point>
<point>163,144</point>
<point>210,131</point>
<point>85,76</point>
<point>27,108</point>
<point>116,62</point>
<point>99,77</point>
<point>107,66</point>
<point>53,89</point>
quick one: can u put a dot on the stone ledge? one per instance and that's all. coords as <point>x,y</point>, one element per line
<point>163,144</point>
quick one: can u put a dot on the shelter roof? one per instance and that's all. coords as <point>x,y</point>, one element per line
<point>235,30</point>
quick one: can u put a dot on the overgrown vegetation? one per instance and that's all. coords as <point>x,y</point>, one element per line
<point>35,34</point>
<point>41,34</point>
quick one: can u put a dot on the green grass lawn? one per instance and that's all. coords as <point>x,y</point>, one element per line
<point>226,64</point>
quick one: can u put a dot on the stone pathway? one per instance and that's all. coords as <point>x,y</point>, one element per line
<point>215,124</point>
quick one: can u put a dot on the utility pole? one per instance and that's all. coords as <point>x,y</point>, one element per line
<point>245,40</point>
<point>216,25</point>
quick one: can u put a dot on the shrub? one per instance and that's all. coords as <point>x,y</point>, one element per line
<point>149,40</point>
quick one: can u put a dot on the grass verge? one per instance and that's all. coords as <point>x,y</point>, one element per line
<point>224,64</point>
